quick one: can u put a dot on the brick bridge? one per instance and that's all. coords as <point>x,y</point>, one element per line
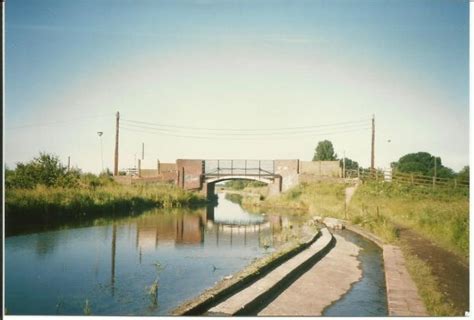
<point>202,175</point>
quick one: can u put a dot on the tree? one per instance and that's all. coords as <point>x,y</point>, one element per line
<point>463,174</point>
<point>423,163</point>
<point>350,164</point>
<point>324,151</point>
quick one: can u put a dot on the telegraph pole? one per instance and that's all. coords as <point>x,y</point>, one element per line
<point>344,164</point>
<point>372,157</point>
<point>116,158</point>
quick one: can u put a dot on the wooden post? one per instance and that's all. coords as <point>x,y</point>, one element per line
<point>139,167</point>
<point>182,177</point>
<point>372,154</point>
<point>116,157</point>
<point>68,163</point>
<point>158,166</point>
<point>344,165</point>
<point>434,182</point>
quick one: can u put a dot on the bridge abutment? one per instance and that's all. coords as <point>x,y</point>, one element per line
<point>275,187</point>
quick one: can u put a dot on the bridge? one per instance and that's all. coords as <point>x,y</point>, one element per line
<point>279,175</point>
<point>202,174</point>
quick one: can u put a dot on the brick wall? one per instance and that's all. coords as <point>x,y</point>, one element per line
<point>192,169</point>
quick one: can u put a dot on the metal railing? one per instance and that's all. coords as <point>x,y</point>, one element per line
<point>239,167</point>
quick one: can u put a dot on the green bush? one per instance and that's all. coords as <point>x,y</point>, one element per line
<point>44,170</point>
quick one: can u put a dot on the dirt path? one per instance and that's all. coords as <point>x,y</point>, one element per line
<point>451,272</point>
<point>349,193</point>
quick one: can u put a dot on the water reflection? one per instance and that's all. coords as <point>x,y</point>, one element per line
<point>113,263</point>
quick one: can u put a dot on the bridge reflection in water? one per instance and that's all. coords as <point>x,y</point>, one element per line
<point>225,225</point>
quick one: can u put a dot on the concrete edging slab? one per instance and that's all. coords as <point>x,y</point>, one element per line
<point>266,288</point>
<point>402,294</point>
<point>227,287</point>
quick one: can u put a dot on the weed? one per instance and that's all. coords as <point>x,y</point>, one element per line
<point>87,308</point>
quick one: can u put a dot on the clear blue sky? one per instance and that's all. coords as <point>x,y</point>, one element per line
<point>70,65</point>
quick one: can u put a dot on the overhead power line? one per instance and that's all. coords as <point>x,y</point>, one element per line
<point>245,134</point>
<point>246,137</point>
<point>192,128</point>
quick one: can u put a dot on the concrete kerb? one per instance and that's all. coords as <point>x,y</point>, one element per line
<point>405,300</point>
<point>256,296</point>
<point>227,287</point>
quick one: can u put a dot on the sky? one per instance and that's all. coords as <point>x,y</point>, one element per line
<point>247,79</point>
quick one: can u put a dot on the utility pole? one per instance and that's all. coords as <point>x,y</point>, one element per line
<point>100,133</point>
<point>344,164</point>
<point>372,157</point>
<point>116,158</point>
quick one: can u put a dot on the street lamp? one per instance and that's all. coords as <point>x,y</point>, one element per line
<point>100,133</point>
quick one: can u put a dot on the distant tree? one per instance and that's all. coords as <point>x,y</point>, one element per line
<point>423,163</point>
<point>464,173</point>
<point>350,164</point>
<point>324,151</point>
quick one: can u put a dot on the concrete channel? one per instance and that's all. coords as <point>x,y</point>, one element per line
<point>253,294</point>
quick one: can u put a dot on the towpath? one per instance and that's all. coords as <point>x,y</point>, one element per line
<point>323,284</point>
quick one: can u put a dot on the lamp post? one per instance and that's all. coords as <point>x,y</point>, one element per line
<point>100,133</point>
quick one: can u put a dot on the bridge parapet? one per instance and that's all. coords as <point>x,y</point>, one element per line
<point>239,167</point>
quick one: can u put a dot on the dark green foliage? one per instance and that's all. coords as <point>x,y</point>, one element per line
<point>464,174</point>
<point>324,151</point>
<point>423,163</point>
<point>350,164</point>
<point>240,184</point>
<point>44,170</point>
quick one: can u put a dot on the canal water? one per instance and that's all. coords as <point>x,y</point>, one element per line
<point>144,265</point>
<point>368,296</point>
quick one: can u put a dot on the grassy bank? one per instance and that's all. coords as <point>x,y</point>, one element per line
<point>323,199</point>
<point>440,215</point>
<point>52,205</point>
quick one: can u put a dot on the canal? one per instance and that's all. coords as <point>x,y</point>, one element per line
<point>144,265</point>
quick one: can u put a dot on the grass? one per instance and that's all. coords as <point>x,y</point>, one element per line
<point>323,199</point>
<point>440,215</point>
<point>43,205</point>
<point>435,302</point>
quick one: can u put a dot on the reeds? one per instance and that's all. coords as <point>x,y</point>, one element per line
<point>43,204</point>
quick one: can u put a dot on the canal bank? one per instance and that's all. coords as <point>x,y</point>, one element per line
<point>140,265</point>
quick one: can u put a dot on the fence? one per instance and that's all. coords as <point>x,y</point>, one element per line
<point>407,178</point>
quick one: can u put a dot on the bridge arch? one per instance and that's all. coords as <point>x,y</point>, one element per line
<point>237,177</point>
<point>208,186</point>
